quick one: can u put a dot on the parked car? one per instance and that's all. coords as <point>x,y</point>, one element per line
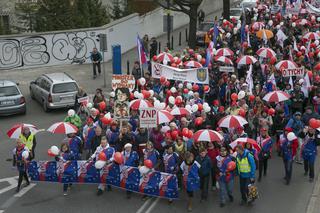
<point>55,90</point>
<point>11,99</point>
<point>248,4</point>
<point>203,28</point>
<point>235,13</point>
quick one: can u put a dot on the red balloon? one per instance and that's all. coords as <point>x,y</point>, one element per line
<point>317,78</point>
<point>50,153</point>
<point>154,58</point>
<point>118,158</point>
<point>234,96</point>
<point>245,44</point>
<point>169,93</point>
<point>198,121</point>
<point>242,112</point>
<point>102,106</point>
<point>200,107</point>
<point>185,91</point>
<point>251,98</point>
<point>148,163</point>
<point>271,112</point>
<point>318,123</point>
<point>273,60</point>
<point>299,54</point>
<point>174,134</point>
<point>231,166</point>
<point>203,61</point>
<point>313,123</point>
<point>174,65</point>
<point>178,101</point>
<point>178,61</point>
<point>195,87</point>
<point>146,94</point>
<point>168,135</point>
<point>102,156</point>
<point>310,74</point>
<point>190,134</point>
<point>313,45</point>
<point>106,121</point>
<point>185,132</point>
<point>206,88</point>
<point>311,54</point>
<point>131,96</point>
<point>167,83</point>
<point>163,80</point>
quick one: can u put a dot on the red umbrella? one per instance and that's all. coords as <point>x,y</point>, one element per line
<point>311,36</point>
<point>286,64</point>
<point>224,52</point>
<point>192,64</point>
<point>276,96</point>
<point>258,25</point>
<point>163,116</point>
<point>165,57</point>
<point>246,60</point>
<point>62,128</point>
<point>266,52</point>
<point>139,104</point>
<point>223,59</point>
<point>303,22</point>
<point>16,130</point>
<point>207,135</point>
<point>232,121</point>
<point>179,111</point>
<point>243,141</point>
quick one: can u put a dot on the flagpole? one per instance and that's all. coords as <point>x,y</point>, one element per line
<point>139,53</point>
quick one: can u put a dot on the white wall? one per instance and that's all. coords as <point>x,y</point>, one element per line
<point>58,48</point>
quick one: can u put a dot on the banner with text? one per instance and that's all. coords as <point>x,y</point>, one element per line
<point>148,118</point>
<point>123,81</point>
<point>153,183</point>
<point>195,75</point>
<point>226,69</point>
<point>293,72</point>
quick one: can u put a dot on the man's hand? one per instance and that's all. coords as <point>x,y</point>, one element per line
<point>252,180</point>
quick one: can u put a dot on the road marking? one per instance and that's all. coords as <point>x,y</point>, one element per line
<point>152,205</point>
<point>146,203</point>
<point>12,181</point>
<point>314,197</point>
<point>25,190</point>
<point>1,211</point>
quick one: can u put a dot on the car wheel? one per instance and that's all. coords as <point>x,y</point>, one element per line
<point>32,95</point>
<point>24,112</point>
<point>45,106</point>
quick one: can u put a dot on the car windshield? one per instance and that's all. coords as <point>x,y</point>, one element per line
<point>235,12</point>
<point>8,91</point>
<point>205,27</point>
<point>65,87</point>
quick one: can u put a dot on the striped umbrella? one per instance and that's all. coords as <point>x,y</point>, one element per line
<point>266,52</point>
<point>246,60</point>
<point>192,64</point>
<point>311,36</point>
<point>62,128</point>
<point>276,96</point>
<point>207,135</point>
<point>223,59</point>
<point>243,141</point>
<point>139,104</point>
<point>163,116</point>
<point>16,130</point>
<point>258,25</point>
<point>286,64</point>
<point>232,121</point>
<point>224,52</point>
<point>179,111</point>
<point>165,57</point>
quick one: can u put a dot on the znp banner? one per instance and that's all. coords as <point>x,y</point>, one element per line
<point>153,183</point>
<point>195,75</point>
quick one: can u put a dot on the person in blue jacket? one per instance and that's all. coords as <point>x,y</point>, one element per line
<point>224,176</point>
<point>204,172</point>
<point>309,150</point>
<point>75,145</point>
<point>246,168</point>
<point>152,154</point>
<point>170,160</point>
<point>20,163</point>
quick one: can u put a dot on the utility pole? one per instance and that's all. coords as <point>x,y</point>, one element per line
<point>168,24</point>
<point>103,48</point>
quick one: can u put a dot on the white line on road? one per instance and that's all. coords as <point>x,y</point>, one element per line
<point>146,203</point>
<point>314,197</point>
<point>152,205</point>
<point>25,190</point>
<point>1,211</point>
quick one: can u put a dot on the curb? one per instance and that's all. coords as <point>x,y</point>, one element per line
<point>314,199</point>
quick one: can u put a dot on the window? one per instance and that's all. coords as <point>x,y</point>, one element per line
<point>8,91</point>
<point>65,87</point>
<point>45,85</point>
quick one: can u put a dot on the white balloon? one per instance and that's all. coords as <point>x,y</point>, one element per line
<point>180,86</point>
<point>140,96</point>
<point>316,42</point>
<point>238,25</point>
<point>255,18</point>
<point>54,150</point>
<point>162,106</point>
<point>278,27</point>
<point>89,105</point>
<point>165,129</point>
<point>313,18</point>
<point>205,104</point>
<point>179,97</point>
<point>190,93</point>
<point>291,136</point>
<point>108,115</point>
<point>228,35</point>
<point>301,81</point>
<point>171,100</point>
<point>173,90</point>
<point>281,23</point>
<point>25,155</point>
<point>235,30</point>
<point>194,108</point>
<point>241,95</point>
<point>142,81</point>
<point>207,109</point>
<point>318,19</point>
<point>100,164</point>
<point>151,92</point>
<point>112,94</point>
<point>293,24</point>
<point>144,170</point>
<point>302,48</point>
<point>175,59</point>
<point>267,10</point>
<point>189,85</point>
<point>136,94</point>
<point>199,57</point>
<point>71,112</point>
<point>188,107</point>
<point>290,15</point>
<point>270,23</point>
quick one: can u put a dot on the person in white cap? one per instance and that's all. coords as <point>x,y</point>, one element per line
<point>131,158</point>
<point>73,118</point>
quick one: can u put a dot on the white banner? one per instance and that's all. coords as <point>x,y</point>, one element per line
<point>293,72</point>
<point>226,69</point>
<point>148,118</point>
<point>123,81</point>
<point>196,75</point>
<point>83,100</point>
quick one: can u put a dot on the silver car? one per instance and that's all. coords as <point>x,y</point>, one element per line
<point>55,90</point>
<point>11,99</point>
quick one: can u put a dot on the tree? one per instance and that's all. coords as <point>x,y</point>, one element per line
<point>26,13</point>
<point>119,9</point>
<point>98,13</point>
<point>226,9</point>
<point>1,27</point>
<point>190,8</point>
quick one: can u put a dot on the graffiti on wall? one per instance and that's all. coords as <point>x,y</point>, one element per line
<point>50,49</point>
<point>30,51</point>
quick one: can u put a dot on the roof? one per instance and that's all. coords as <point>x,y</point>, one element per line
<point>59,77</point>
<point>5,83</point>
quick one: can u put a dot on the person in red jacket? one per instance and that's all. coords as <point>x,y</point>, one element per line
<point>213,151</point>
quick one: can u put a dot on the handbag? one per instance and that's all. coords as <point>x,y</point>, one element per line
<point>252,192</point>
